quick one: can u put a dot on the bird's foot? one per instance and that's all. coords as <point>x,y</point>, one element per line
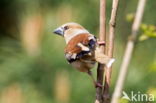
<point>98,85</point>
<point>101,42</point>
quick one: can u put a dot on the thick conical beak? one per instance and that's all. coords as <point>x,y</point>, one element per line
<point>59,31</point>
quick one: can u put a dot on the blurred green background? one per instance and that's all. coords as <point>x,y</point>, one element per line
<point>32,64</point>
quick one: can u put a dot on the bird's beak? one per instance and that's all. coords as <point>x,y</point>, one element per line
<point>59,31</point>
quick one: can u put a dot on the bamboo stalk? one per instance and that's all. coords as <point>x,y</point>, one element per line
<point>128,51</point>
<point>102,37</point>
<point>109,52</point>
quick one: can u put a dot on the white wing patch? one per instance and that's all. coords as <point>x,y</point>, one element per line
<point>70,56</point>
<point>74,56</point>
<point>84,48</point>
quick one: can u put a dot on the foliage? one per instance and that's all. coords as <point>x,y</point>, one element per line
<point>149,31</point>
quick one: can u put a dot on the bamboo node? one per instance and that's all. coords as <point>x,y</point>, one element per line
<point>112,23</point>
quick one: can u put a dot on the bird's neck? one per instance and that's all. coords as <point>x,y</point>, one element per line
<point>73,34</point>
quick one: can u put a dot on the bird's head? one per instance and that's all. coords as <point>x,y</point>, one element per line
<point>69,30</point>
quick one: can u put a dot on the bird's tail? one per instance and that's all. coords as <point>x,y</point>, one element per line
<point>102,58</point>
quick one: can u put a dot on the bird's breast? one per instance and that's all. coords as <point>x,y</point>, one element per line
<point>83,65</point>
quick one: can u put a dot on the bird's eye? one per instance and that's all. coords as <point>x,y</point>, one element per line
<point>66,27</point>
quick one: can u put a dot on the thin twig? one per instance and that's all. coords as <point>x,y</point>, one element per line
<point>109,52</point>
<point>102,37</point>
<point>128,51</point>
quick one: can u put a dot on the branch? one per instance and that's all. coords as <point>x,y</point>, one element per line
<point>128,51</point>
<point>110,48</point>
<point>102,37</point>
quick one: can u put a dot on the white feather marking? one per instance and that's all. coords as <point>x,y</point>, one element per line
<point>91,37</point>
<point>73,56</point>
<point>89,54</point>
<point>84,48</point>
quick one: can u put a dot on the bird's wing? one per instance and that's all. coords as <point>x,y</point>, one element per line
<point>79,46</point>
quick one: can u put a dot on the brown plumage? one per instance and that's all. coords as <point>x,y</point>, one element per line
<point>85,59</point>
<point>72,44</point>
<point>82,50</point>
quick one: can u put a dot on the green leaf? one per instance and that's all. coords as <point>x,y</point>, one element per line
<point>130,17</point>
<point>143,37</point>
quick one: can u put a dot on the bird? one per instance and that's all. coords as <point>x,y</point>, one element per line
<point>82,49</point>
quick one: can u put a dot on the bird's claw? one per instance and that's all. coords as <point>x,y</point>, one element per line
<point>98,85</point>
<point>101,42</point>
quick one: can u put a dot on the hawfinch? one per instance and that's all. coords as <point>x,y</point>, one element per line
<point>82,48</point>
